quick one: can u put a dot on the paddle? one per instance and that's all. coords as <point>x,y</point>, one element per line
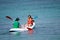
<point>35,17</point>
<point>8,17</point>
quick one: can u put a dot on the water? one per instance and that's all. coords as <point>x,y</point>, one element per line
<point>46,14</point>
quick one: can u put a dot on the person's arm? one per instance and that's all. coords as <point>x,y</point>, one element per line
<point>19,25</point>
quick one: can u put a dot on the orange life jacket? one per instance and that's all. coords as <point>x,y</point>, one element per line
<point>30,21</point>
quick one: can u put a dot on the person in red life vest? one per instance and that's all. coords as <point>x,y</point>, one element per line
<point>29,21</point>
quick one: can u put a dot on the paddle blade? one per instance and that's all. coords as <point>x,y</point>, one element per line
<point>35,17</point>
<point>9,17</point>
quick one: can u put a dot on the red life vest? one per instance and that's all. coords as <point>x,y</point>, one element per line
<point>30,21</point>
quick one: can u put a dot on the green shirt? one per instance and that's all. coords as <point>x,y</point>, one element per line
<point>16,24</point>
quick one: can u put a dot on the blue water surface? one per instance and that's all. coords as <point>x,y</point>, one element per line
<point>46,14</point>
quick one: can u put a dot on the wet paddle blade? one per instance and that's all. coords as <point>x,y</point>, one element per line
<point>9,17</point>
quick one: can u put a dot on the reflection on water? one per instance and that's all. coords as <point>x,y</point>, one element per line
<point>30,32</point>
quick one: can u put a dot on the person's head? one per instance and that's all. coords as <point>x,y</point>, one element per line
<point>29,16</point>
<point>17,19</point>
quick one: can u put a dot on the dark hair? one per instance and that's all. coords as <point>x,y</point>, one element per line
<point>29,16</point>
<point>17,19</point>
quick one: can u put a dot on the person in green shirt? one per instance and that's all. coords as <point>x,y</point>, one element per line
<point>16,23</point>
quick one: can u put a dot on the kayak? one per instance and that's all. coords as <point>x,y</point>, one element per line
<point>22,29</point>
